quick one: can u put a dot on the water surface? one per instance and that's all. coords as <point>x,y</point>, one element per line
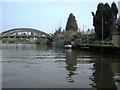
<point>32,66</point>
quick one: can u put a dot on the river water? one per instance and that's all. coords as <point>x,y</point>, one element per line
<point>32,66</point>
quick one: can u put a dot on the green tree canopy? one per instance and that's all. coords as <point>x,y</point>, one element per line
<point>104,18</point>
<point>71,23</point>
<point>114,10</point>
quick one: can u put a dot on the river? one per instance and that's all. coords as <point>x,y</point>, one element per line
<point>33,66</point>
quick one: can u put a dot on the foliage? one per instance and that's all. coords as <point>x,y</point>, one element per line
<point>58,35</point>
<point>71,23</point>
<point>114,10</point>
<point>9,40</point>
<point>104,17</point>
<point>118,22</point>
<point>41,41</point>
<point>57,31</point>
<point>69,35</point>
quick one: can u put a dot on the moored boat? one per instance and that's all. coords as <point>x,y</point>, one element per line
<point>67,45</point>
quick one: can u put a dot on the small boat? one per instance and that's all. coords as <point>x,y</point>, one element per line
<point>67,45</point>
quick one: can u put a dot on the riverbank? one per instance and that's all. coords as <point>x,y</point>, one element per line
<point>99,48</point>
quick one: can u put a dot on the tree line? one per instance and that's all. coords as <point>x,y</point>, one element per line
<point>103,21</point>
<point>104,18</point>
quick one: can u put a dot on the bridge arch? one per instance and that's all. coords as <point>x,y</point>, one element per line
<point>24,32</point>
<point>25,35</point>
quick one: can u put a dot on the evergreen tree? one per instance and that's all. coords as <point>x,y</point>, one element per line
<point>114,10</point>
<point>108,21</point>
<point>97,20</point>
<point>71,23</point>
<point>104,18</point>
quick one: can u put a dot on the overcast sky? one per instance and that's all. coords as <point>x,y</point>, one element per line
<point>46,16</point>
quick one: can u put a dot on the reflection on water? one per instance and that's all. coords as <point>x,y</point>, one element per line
<point>32,66</point>
<point>103,75</point>
<point>71,63</point>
